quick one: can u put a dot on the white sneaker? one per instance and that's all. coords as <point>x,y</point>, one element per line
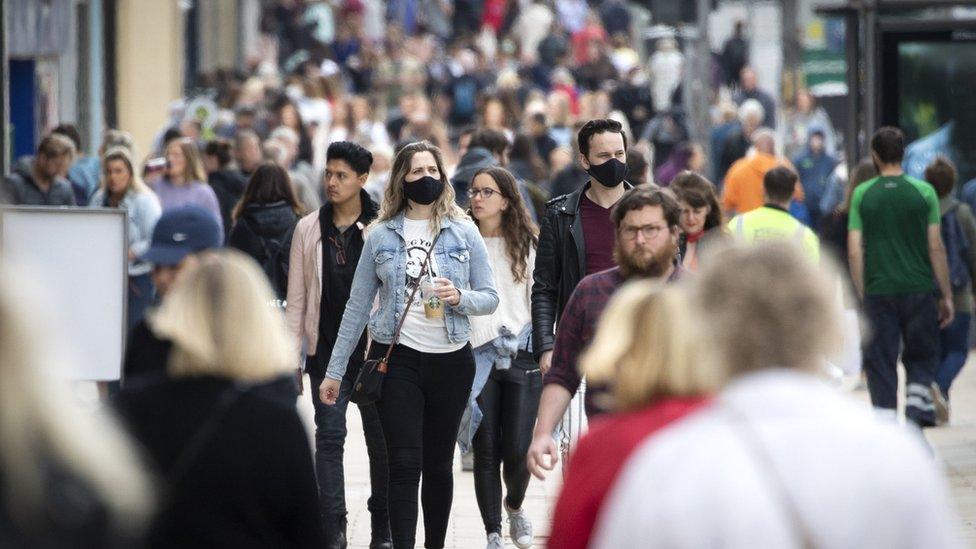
<point>519,528</point>
<point>495,541</point>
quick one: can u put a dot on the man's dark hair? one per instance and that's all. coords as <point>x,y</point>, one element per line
<point>647,195</point>
<point>71,132</point>
<point>636,167</point>
<point>889,144</point>
<point>941,174</point>
<point>779,184</point>
<point>221,149</point>
<point>358,158</point>
<point>593,127</point>
<point>493,140</point>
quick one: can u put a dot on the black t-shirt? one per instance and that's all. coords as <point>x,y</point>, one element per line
<point>340,256</point>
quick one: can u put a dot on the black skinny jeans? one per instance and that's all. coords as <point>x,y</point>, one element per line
<point>330,439</point>
<point>509,403</point>
<point>424,396</point>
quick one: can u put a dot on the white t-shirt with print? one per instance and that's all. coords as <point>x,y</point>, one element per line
<point>427,335</point>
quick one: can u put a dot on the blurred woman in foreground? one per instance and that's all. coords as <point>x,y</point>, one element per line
<point>780,458</point>
<point>68,478</point>
<point>235,463</point>
<point>646,350</point>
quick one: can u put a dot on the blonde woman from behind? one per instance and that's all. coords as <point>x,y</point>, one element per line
<point>225,449</point>
<point>68,478</point>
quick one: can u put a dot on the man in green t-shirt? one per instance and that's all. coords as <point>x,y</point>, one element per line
<point>897,262</point>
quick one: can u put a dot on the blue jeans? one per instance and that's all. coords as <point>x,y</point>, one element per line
<point>910,322</point>
<point>330,437</point>
<point>955,349</point>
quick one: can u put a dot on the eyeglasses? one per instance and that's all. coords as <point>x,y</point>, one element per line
<point>485,193</point>
<point>648,231</point>
<point>340,255</point>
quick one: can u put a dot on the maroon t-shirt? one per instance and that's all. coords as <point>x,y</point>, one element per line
<point>598,236</point>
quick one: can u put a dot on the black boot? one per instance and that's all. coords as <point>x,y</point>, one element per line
<point>335,532</point>
<point>382,539</point>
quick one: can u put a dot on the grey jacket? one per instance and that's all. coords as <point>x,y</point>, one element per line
<point>23,191</point>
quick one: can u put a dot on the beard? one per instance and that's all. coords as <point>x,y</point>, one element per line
<point>644,262</point>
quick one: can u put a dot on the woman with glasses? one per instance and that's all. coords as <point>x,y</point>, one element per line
<point>264,220</point>
<point>508,381</point>
<point>421,241</point>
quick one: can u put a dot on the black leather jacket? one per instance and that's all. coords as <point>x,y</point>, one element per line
<point>560,264</point>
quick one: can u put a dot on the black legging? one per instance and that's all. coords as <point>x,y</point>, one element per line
<point>508,402</point>
<point>424,396</point>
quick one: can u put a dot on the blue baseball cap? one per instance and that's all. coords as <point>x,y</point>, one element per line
<point>181,232</point>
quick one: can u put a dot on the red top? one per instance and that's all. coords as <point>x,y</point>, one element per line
<point>598,235</point>
<point>597,459</point>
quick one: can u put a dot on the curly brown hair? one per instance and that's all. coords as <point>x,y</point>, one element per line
<point>520,233</point>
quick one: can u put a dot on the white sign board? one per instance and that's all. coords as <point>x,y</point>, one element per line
<point>77,259</point>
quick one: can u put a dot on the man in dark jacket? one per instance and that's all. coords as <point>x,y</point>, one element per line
<point>179,235</point>
<point>815,167</point>
<point>43,182</point>
<point>576,236</point>
<point>645,222</point>
<point>340,224</point>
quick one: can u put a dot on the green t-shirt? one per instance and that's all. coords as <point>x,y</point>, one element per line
<point>893,213</point>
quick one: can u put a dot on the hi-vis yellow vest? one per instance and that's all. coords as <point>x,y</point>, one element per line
<point>764,224</point>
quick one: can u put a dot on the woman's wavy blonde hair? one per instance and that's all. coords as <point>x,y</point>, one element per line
<point>645,348</point>
<point>122,155</point>
<point>221,322</point>
<point>395,200</point>
<point>41,424</point>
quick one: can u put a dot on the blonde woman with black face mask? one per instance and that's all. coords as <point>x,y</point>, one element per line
<point>421,241</point>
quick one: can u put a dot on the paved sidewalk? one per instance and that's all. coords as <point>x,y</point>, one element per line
<point>465,530</point>
<point>955,445</point>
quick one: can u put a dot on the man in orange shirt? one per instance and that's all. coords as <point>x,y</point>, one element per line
<point>743,190</point>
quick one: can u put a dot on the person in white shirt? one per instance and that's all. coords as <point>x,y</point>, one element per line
<point>508,382</point>
<point>779,459</point>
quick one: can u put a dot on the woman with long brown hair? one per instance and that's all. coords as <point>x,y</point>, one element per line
<point>508,382</point>
<point>701,216</point>
<point>421,245</point>
<point>264,220</point>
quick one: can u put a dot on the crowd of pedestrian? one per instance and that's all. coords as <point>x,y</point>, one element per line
<point>460,217</point>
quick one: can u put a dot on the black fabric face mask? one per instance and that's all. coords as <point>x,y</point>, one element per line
<point>424,190</point>
<point>609,174</point>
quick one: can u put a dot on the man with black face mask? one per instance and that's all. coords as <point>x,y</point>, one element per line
<point>576,236</point>
<point>645,222</point>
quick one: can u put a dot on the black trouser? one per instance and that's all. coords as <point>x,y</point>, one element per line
<point>508,403</point>
<point>910,321</point>
<point>424,396</point>
<point>330,437</point>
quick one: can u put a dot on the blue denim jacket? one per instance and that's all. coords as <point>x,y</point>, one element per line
<point>461,256</point>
